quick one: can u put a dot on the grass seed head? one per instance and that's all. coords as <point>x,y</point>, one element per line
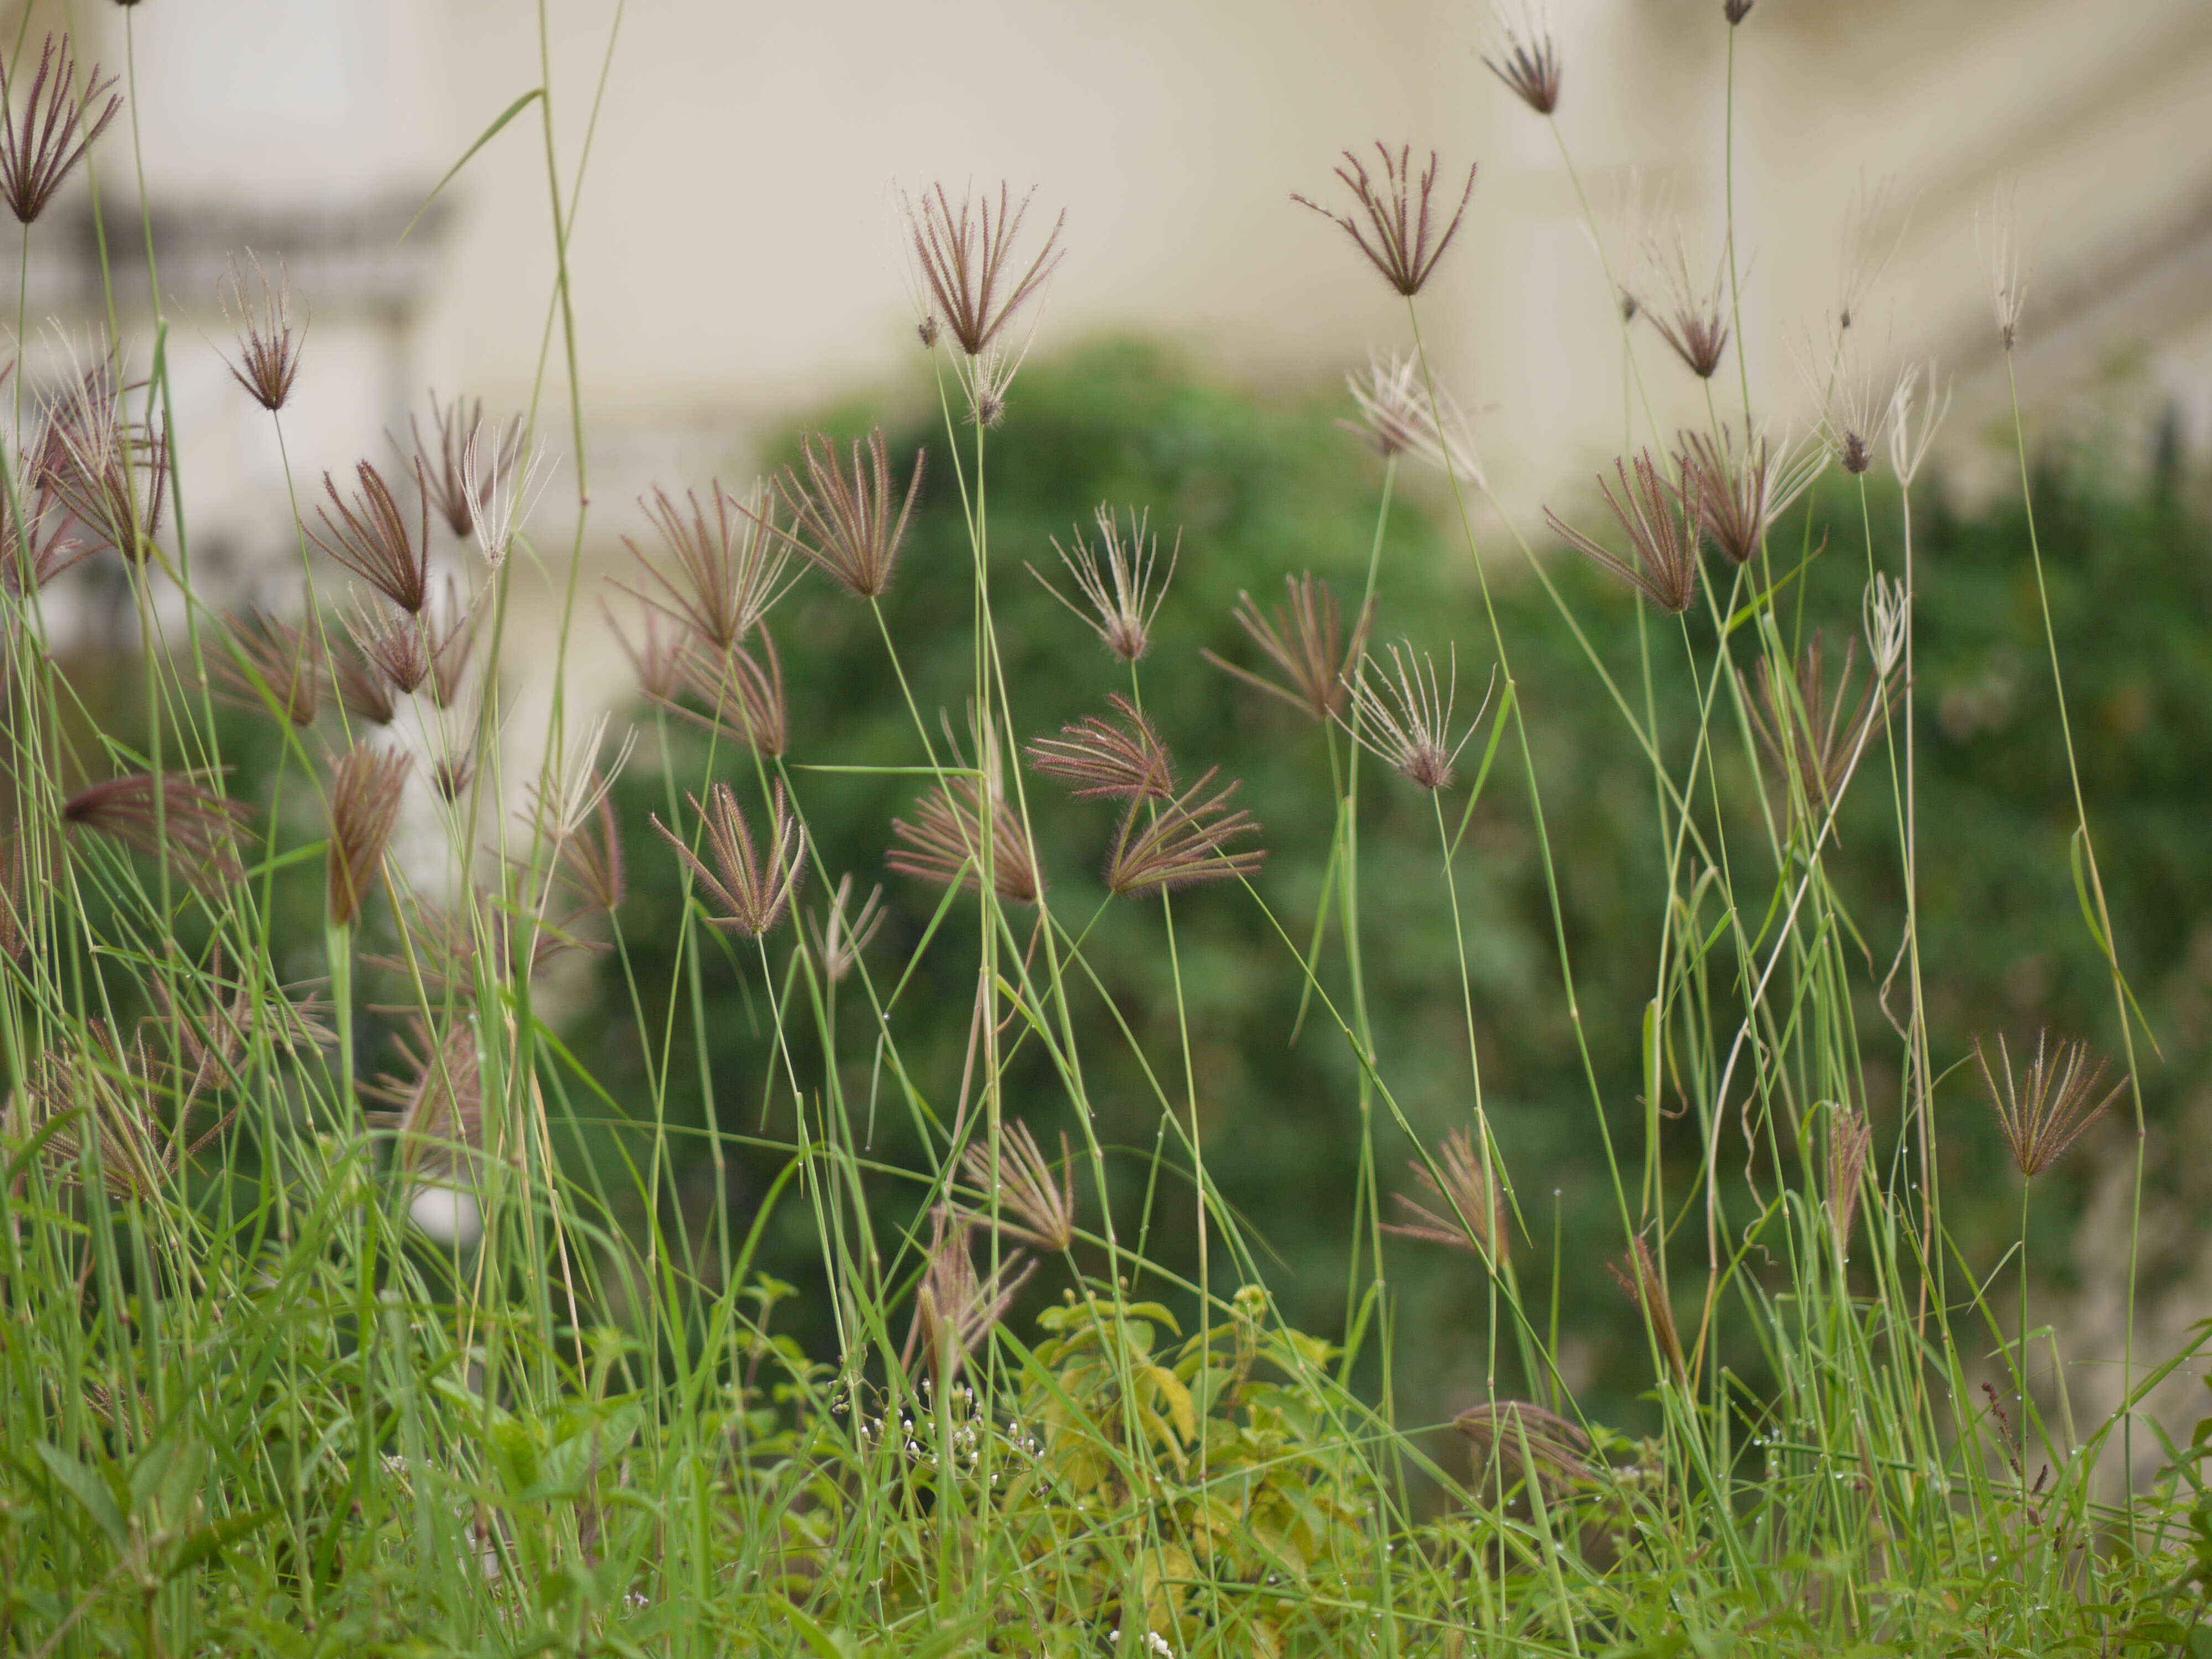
<point>395,644</point>
<point>753,887</point>
<point>1661,531</point>
<point>367,786</point>
<point>1115,580</point>
<point>1182,842</point>
<point>1525,56</point>
<point>1805,727</point>
<point>843,932</point>
<point>739,693</point>
<point>109,472</point>
<point>1394,222</point>
<point>1116,758</point>
<point>1641,1281</point>
<point>1512,1439</point>
<point>44,132</point>
<point>368,535</point>
<point>729,560</point>
<point>2043,1112</point>
<point>1693,318</point>
<point>1305,641</point>
<point>975,279</point>
<point>269,345</point>
<point>842,521</point>
<point>1473,1215</point>
<point>1041,1205</point>
<point>275,665</point>
<point>1403,717</point>
<point>1740,493</point>
<point>177,817</point>
<point>943,843</point>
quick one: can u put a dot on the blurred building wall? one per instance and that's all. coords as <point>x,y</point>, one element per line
<point>736,254</point>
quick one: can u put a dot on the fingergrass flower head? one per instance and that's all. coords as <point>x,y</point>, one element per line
<point>500,476</point>
<point>943,843</point>
<point>1661,531</point>
<point>367,785</point>
<point>1305,641</point>
<point>1909,445</point>
<point>1117,758</point>
<point>729,561</point>
<point>1115,580</point>
<point>1182,842</point>
<point>1394,222</point>
<point>275,665</point>
<point>45,131</point>
<point>1693,319</point>
<point>738,692</point>
<point>954,1307</point>
<point>2042,1113</point>
<point>369,536</point>
<point>1511,1440</point>
<point>843,522</point>
<point>754,887</point>
<point>396,645</point>
<point>177,817</point>
<point>269,345</point>
<point>2011,267</point>
<point>1043,1207</point>
<point>1525,56</point>
<point>968,257</point>
<point>1398,416</point>
<point>109,472</point>
<point>1403,717</point>
<point>1740,493</point>
<point>1803,723</point>
<point>844,932</point>
<point>1640,1280</point>
<point>441,467</point>
<point>1470,1212</point>
<point>1851,1140</point>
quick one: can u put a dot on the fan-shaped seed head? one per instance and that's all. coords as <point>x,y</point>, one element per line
<point>1739,494</point>
<point>844,523</point>
<point>1398,416</point>
<point>1512,1440</point>
<point>1042,1208</point>
<point>1394,222</point>
<point>729,558</point>
<point>944,844</point>
<point>1404,716</point>
<point>1305,641</point>
<point>1661,531</point>
<point>442,468</point>
<point>44,132</point>
<point>176,817</point>
<point>1693,320</point>
<point>109,473</point>
<point>2043,1113</point>
<point>368,535</point>
<point>276,666</point>
<point>367,786</point>
<point>739,693</point>
<point>954,1309</point>
<point>267,345</point>
<point>1182,842</point>
<point>1120,758</point>
<point>1115,580</point>
<point>844,932</point>
<point>1804,724</point>
<point>969,264</point>
<point>752,888</point>
<point>1525,56</point>
<point>1472,1213</point>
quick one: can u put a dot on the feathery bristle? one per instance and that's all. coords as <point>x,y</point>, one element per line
<point>367,785</point>
<point>1661,529</point>
<point>1095,757</point>
<point>967,260</point>
<point>843,524</point>
<point>1305,641</point>
<point>1528,1440</point>
<point>1401,229</point>
<point>753,890</point>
